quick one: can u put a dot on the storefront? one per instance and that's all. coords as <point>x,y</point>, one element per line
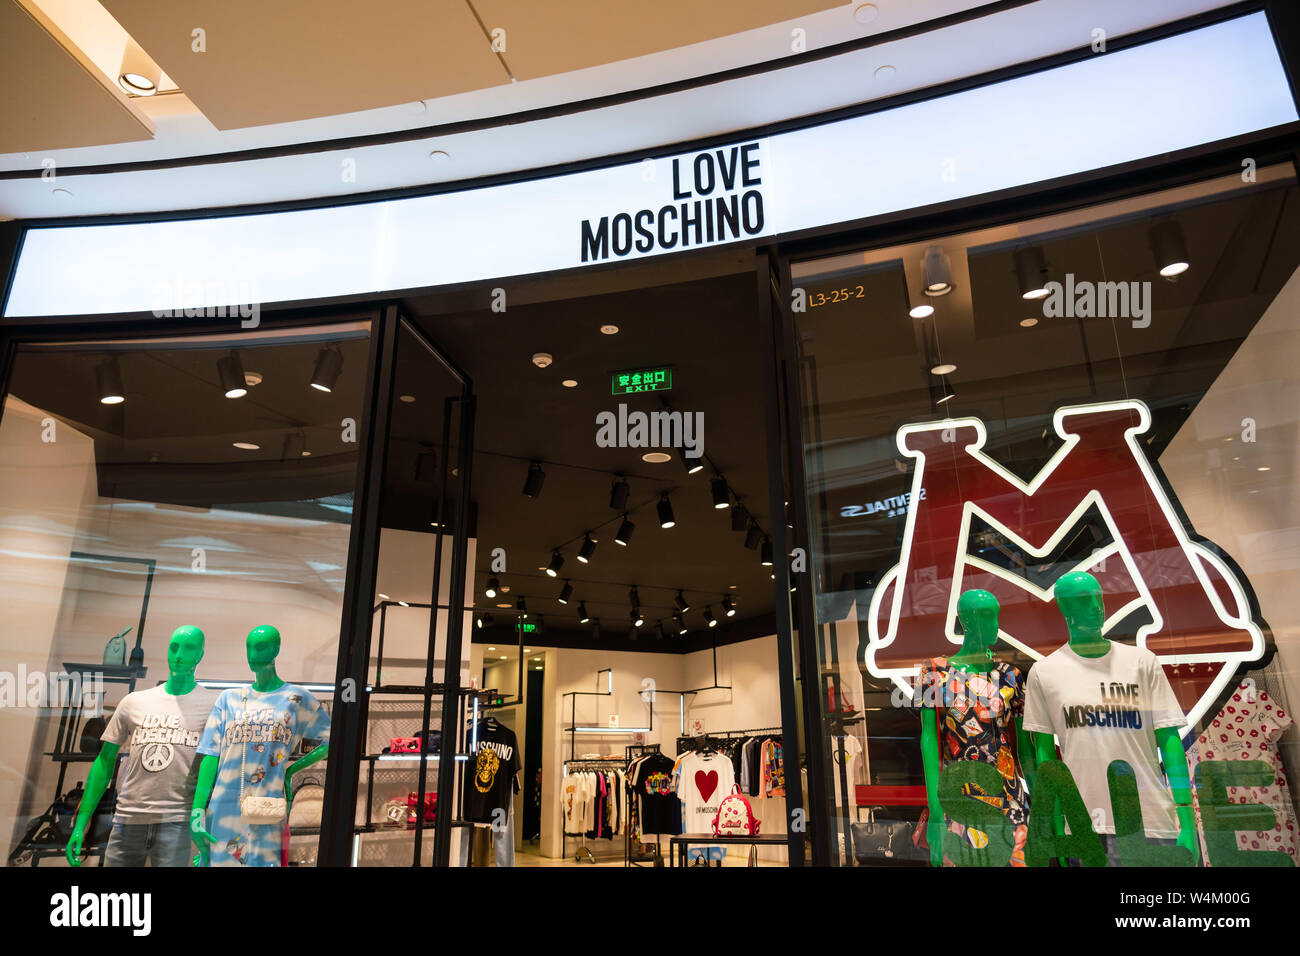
<point>946,359</point>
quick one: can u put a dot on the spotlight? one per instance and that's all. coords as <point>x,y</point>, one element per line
<point>767,553</point>
<point>637,619</point>
<point>493,586</point>
<point>721,496</point>
<point>666,519</point>
<point>1169,247</point>
<point>1031,272</point>
<point>680,622</point>
<point>739,518</point>
<point>938,276</point>
<point>755,536</point>
<point>618,494</point>
<point>583,616</point>
<point>138,74</point>
<point>709,619</point>
<point>587,550</point>
<point>231,372</point>
<point>729,606</point>
<point>557,561</point>
<point>109,376</point>
<point>692,465</point>
<point>484,620</point>
<point>624,532</point>
<point>566,592</point>
<point>522,607</point>
<point>328,366</point>
<point>922,311</point>
<point>682,604</point>
<point>533,483</point>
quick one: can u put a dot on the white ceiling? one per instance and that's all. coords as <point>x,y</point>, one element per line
<point>990,42</point>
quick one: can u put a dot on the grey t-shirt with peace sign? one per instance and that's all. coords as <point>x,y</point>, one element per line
<point>159,732</point>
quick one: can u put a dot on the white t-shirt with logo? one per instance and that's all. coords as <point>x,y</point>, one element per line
<point>159,733</point>
<point>702,781</point>
<point>1104,709</point>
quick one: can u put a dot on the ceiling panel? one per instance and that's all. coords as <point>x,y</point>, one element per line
<point>298,59</point>
<point>60,101</point>
<point>542,39</point>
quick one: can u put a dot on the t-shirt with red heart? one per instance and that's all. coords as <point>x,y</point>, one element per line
<point>702,781</point>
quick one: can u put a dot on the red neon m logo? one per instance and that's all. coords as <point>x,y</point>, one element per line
<point>1200,623</point>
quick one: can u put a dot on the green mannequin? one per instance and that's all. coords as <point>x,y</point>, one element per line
<point>184,652</point>
<point>978,612</point>
<point>263,647</point>
<point>1078,595</point>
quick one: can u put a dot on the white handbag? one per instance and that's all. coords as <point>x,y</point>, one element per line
<point>252,808</point>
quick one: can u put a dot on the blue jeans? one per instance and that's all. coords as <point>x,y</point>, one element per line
<point>159,844</point>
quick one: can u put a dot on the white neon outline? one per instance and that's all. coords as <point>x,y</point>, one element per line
<point>1196,554</point>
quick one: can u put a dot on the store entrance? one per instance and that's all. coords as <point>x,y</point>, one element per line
<point>622,672</point>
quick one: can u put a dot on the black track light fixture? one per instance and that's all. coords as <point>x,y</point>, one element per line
<point>534,481</point>
<point>484,620</point>
<point>767,553</point>
<point>618,493</point>
<point>624,532</point>
<point>739,518</point>
<point>721,495</point>
<point>587,550</point>
<point>665,508</point>
<point>1169,247</point>
<point>709,619</point>
<point>566,592</point>
<point>1031,272</point>
<point>682,604</point>
<point>521,606</point>
<point>493,586</point>
<point>109,378</point>
<point>557,562</point>
<point>692,465</point>
<point>659,630</point>
<point>634,597</point>
<point>231,372</point>
<point>583,616</point>
<point>680,622</point>
<point>636,617</point>
<point>755,536</point>
<point>329,363</point>
<point>729,606</point>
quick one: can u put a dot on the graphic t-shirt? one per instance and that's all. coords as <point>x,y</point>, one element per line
<point>490,776</point>
<point>661,811</point>
<point>702,781</point>
<point>1104,709</point>
<point>258,730</point>
<point>158,732</point>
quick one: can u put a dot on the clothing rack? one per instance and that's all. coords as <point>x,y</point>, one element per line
<point>584,763</point>
<point>687,742</point>
<point>634,751</point>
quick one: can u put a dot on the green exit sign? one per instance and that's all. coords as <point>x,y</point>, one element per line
<point>652,379</point>
<point>528,627</point>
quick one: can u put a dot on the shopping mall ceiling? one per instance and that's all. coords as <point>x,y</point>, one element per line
<point>260,102</point>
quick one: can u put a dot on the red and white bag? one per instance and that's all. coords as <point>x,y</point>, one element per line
<point>735,817</point>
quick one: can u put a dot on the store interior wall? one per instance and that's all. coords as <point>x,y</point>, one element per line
<point>1254,516</point>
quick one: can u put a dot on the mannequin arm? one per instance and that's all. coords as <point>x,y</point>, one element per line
<point>202,794</point>
<point>1044,750</point>
<point>317,755</point>
<point>1174,758</point>
<point>101,772</point>
<point>1026,754</point>
<point>930,760</point>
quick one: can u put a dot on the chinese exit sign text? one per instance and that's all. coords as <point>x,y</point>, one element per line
<point>641,380</point>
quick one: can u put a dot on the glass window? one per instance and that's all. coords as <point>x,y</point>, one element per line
<point>1109,392</point>
<point>160,502</point>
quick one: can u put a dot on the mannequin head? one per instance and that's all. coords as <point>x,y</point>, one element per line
<point>978,612</point>
<point>184,650</point>
<point>1078,595</point>
<point>263,646</point>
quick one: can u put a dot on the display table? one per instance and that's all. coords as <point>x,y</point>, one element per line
<point>678,858</point>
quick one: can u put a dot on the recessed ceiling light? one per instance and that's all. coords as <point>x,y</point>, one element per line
<point>416,107</point>
<point>1263,468</point>
<point>944,369</point>
<point>1236,458</point>
<point>537,658</point>
<point>403,603</point>
<point>383,597</point>
<point>491,648</point>
<point>542,359</point>
<point>1028,323</point>
<point>137,83</point>
<point>252,379</point>
<point>885,72</point>
<point>865,12</point>
<point>501,658</point>
<point>921,311</point>
<point>247,445</point>
<point>406,398</point>
<point>440,156</point>
<point>570,383</point>
<point>61,193</point>
<point>505,604</point>
<point>656,457</point>
<point>609,329</point>
<point>731,586</point>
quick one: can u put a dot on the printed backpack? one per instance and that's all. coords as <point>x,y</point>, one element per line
<point>735,817</point>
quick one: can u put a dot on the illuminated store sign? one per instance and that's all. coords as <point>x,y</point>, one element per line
<point>1200,623</point>
<point>658,379</point>
<point>1203,86</point>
